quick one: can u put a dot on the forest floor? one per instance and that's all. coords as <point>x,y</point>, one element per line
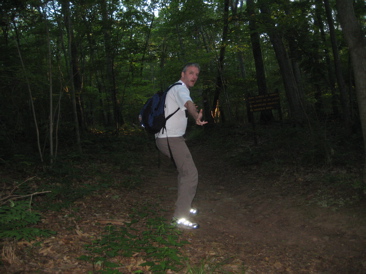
<point>251,221</point>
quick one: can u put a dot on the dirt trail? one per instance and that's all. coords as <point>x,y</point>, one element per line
<point>265,224</point>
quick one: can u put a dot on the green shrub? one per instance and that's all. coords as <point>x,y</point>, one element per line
<point>16,219</point>
<point>147,235</point>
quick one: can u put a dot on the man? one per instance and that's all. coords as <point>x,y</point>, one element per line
<point>170,141</point>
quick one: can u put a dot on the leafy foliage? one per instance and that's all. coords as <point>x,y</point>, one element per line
<point>16,219</point>
<point>147,235</point>
<point>73,177</point>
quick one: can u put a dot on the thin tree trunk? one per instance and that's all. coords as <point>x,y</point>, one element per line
<point>110,72</point>
<point>256,49</point>
<point>266,115</point>
<point>234,7</point>
<point>207,115</point>
<point>30,93</point>
<point>182,54</point>
<point>331,79</point>
<point>50,79</point>
<point>57,111</point>
<point>204,38</point>
<point>51,125</point>
<point>338,69</point>
<point>294,55</point>
<point>66,10</point>
<point>146,44</point>
<point>57,119</point>
<point>220,70</point>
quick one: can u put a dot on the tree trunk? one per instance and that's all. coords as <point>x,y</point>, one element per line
<point>266,115</point>
<point>146,44</point>
<point>331,79</point>
<point>345,103</point>
<point>220,71</point>
<point>72,66</point>
<point>256,48</point>
<point>50,78</point>
<point>51,117</point>
<point>110,72</point>
<point>236,18</point>
<point>29,92</point>
<point>355,38</point>
<point>295,101</point>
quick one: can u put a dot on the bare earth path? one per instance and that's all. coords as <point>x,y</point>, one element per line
<point>265,224</point>
<point>252,221</point>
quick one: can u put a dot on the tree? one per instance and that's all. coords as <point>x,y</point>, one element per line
<point>356,41</point>
<point>110,77</point>
<point>319,29</point>
<point>30,93</point>
<point>220,86</point>
<point>74,71</point>
<point>266,115</point>
<point>338,69</point>
<point>293,93</point>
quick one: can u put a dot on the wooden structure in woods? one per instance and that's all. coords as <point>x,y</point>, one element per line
<point>263,102</point>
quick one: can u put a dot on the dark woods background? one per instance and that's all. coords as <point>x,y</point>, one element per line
<point>71,68</point>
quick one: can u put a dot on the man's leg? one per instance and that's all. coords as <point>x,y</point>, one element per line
<point>187,173</point>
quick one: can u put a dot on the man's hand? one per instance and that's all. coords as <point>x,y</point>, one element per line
<point>197,115</point>
<point>199,119</point>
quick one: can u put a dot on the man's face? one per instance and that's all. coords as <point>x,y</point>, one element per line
<point>190,76</point>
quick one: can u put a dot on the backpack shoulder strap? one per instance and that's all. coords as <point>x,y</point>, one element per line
<point>172,85</point>
<point>170,115</point>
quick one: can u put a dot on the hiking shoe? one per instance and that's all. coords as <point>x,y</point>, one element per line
<point>184,223</point>
<point>193,211</point>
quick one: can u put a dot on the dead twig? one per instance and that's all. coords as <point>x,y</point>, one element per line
<point>12,196</point>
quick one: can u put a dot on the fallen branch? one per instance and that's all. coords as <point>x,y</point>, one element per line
<point>12,196</point>
<point>16,197</point>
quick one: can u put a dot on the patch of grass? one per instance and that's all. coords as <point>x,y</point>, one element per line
<point>132,181</point>
<point>216,264</point>
<point>147,236</point>
<point>337,190</point>
<point>343,180</point>
<point>325,199</point>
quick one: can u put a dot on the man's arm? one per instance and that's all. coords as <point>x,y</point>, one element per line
<point>197,115</point>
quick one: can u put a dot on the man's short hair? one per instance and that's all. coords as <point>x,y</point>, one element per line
<point>191,65</point>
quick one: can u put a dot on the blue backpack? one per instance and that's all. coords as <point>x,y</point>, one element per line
<point>152,116</point>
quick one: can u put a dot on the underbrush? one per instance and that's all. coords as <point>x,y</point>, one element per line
<point>334,159</point>
<point>147,237</point>
<point>107,162</point>
<point>281,144</point>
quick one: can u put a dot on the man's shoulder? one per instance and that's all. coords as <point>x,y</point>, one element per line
<point>178,85</point>
<point>181,87</point>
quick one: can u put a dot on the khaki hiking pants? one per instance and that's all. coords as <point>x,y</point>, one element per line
<point>187,173</point>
